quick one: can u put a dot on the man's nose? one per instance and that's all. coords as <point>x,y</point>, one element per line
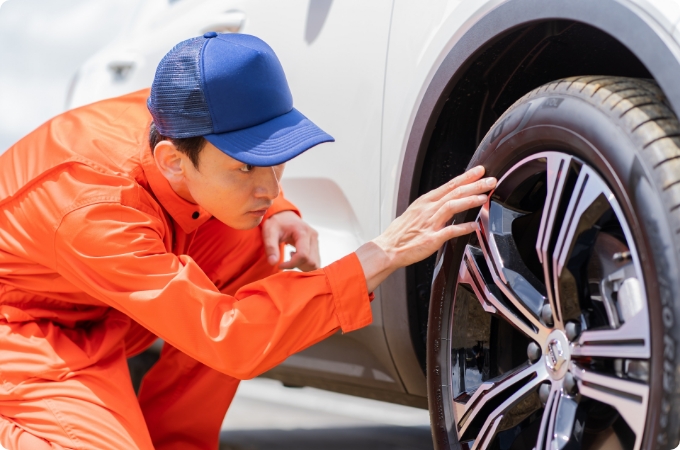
<point>268,185</point>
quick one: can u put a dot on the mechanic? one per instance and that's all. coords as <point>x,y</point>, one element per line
<point>159,214</point>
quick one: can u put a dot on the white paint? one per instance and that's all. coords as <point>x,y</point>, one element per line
<point>325,207</point>
<point>329,409</point>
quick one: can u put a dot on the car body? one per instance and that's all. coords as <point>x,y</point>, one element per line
<point>378,76</point>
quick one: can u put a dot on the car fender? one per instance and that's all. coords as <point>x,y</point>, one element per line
<point>415,97</point>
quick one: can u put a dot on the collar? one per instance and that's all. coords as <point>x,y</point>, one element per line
<point>188,215</point>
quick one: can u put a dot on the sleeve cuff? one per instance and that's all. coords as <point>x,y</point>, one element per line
<point>350,295</point>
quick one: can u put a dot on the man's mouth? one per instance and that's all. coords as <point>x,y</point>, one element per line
<point>259,212</point>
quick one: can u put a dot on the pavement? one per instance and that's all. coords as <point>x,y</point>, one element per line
<point>267,415</point>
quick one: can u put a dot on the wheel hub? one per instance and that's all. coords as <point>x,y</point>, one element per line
<point>557,355</point>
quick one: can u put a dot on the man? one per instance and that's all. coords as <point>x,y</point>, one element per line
<point>117,226</point>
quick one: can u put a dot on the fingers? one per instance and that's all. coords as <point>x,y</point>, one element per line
<point>452,207</point>
<point>421,229</point>
<point>293,263</point>
<point>468,177</point>
<point>315,256</point>
<point>271,238</point>
<point>299,258</point>
<point>306,255</point>
<point>478,187</point>
<point>299,261</point>
<point>287,227</point>
<point>454,231</point>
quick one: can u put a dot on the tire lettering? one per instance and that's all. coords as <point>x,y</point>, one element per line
<point>668,347</point>
<point>668,382</point>
<point>552,102</point>
<point>662,437</point>
<point>667,317</point>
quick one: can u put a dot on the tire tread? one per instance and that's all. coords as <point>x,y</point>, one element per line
<point>641,108</point>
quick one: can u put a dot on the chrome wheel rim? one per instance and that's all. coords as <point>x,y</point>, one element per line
<point>553,267</point>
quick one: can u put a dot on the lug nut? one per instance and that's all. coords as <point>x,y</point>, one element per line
<point>544,393</point>
<point>572,330</point>
<point>570,385</point>
<point>547,315</point>
<point>621,257</point>
<point>533,352</point>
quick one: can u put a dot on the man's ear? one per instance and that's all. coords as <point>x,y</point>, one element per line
<point>169,161</point>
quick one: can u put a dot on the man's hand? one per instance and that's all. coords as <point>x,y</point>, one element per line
<point>286,227</point>
<point>421,230</point>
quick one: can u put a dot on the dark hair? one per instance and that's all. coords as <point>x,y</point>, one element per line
<point>189,146</point>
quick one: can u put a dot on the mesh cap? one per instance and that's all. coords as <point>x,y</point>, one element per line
<point>177,103</point>
<point>231,89</point>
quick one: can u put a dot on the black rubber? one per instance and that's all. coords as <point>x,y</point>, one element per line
<point>624,128</point>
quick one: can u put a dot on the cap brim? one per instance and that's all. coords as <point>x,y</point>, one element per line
<point>273,142</point>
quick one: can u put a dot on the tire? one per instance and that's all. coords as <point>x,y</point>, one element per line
<point>554,325</point>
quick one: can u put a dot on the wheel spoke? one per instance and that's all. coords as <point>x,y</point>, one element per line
<point>471,275</point>
<point>507,390</point>
<point>556,177</point>
<point>524,301</point>
<point>589,187</point>
<point>474,272</point>
<point>565,422</point>
<point>629,398</point>
<point>631,340</point>
<point>548,419</point>
<point>559,422</point>
<point>590,198</point>
<point>487,434</point>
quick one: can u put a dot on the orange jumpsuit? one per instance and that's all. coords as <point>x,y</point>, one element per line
<point>98,256</point>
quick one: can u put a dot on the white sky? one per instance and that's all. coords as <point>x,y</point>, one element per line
<point>42,45</point>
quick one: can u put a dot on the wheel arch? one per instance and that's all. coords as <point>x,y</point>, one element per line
<point>485,71</point>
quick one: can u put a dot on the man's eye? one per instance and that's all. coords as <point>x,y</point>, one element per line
<point>247,168</point>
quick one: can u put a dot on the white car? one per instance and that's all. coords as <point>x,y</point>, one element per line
<point>554,326</point>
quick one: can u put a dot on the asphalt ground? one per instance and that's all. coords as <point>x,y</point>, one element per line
<point>267,415</point>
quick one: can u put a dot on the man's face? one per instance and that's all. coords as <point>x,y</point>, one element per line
<point>237,194</point>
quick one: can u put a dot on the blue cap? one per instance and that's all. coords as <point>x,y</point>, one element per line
<point>231,89</point>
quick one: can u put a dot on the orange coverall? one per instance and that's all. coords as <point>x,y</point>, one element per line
<point>98,256</point>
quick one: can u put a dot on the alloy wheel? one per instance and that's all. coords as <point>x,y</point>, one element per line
<point>550,335</point>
